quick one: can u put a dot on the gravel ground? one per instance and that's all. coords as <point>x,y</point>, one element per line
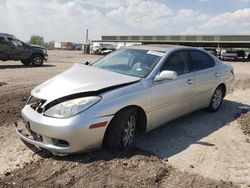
<point>198,150</point>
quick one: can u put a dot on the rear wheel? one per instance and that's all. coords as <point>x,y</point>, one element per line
<point>25,62</point>
<point>216,99</point>
<point>121,131</point>
<point>36,60</point>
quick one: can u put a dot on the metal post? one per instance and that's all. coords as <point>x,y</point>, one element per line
<point>87,36</point>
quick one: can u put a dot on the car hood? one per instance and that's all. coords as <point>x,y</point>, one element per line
<point>79,79</point>
<point>36,46</point>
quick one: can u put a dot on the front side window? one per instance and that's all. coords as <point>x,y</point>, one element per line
<point>17,43</point>
<point>134,62</point>
<point>200,61</point>
<point>177,62</point>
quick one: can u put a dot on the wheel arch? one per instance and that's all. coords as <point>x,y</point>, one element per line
<point>142,119</point>
<point>224,88</point>
<point>37,53</point>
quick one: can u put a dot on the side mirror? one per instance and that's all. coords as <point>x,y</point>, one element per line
<point>166,75</point>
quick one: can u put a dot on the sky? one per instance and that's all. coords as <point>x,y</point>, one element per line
<point>65,20</point>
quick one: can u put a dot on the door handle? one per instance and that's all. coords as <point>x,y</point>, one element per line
<point>190,81</point>
<point>216,74</point>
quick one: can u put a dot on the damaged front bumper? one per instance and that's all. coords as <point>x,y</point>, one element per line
<point>35,139</point>
<point>61,136</point>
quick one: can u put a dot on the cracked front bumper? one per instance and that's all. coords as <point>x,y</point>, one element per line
<point>63,136</point>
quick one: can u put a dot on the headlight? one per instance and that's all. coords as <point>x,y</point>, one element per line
<point>44,51</point>
<point>72,107</point>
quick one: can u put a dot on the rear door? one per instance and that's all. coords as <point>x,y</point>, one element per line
<point>206,77</point>
<point>3,49</point>
<point>172,98</point>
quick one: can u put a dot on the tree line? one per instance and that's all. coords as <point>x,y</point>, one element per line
<point>39,40</point>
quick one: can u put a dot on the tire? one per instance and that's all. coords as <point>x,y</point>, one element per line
<point>25,62</point>
<point>217,99</point>
<point>120,133</point>
<point>36,60</point>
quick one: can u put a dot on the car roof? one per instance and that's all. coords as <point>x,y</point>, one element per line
<point>7,35</point>
<point>159,47</point>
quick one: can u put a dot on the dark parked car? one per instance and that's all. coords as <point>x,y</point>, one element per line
<point>13,49</point>
<point>233,55</point>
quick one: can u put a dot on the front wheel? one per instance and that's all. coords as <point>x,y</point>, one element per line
<point>37,60</point>
<point>216,99</point>
<point>121,131</point>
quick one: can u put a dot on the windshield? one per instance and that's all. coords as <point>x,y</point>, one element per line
<point>132,62</point>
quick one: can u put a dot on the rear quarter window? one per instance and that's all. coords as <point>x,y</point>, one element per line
<point>1,40</point>
<point>200,61</point>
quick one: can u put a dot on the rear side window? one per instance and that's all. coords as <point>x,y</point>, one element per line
<point>2,40</point>
<point>178,62</point>
<point>200,61</point>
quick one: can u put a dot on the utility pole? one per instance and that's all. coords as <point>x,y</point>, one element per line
<point>87,36</point>
<point>86,51</point>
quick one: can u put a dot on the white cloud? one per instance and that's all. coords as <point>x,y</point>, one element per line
<point>52,19</point>
<point>188,15</point>
<point>226,23</point>
<point>143,14</point>
<point>102,4</point>
<point>204,1</point>
<point>68,21</point>
<point>230,22</point>
<point>246,1</point>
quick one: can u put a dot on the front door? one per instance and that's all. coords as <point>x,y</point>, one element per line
<point>172,98</point>
<point>18,50</point>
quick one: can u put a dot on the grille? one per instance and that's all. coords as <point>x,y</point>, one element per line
<point>36,104</point>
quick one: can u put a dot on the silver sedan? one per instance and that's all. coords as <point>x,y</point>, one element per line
<point>131,90</point>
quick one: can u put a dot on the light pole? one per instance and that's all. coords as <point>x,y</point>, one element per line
<point>87,36</point>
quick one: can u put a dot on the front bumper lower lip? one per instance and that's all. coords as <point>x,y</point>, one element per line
<point>46,57</point>
<point>25,135</point>
<point>64,136</point>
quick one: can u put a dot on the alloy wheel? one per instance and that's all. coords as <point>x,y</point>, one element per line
<point>37,60</point>
<point>129,131</point>
<point>217,98</point>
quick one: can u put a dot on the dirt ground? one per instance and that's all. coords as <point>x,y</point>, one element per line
<point>245,123</point>
<point>198,150</point>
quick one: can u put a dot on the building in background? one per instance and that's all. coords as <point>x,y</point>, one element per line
<point>67,46</point>
<point>222,41</point>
